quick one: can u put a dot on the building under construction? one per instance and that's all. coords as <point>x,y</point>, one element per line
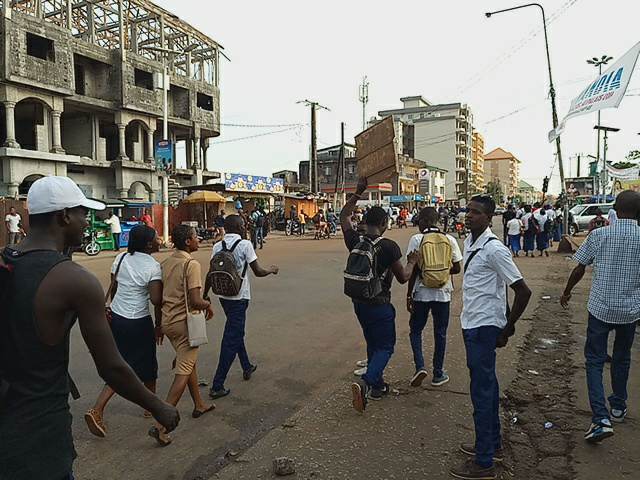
<point>81,95</point>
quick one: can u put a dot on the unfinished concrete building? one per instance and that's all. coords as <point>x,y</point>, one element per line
<point>81,95</point>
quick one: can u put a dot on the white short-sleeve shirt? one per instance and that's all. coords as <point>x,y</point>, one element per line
<point>513,226</point>
<point>243,254</point>
<point>114,222</point>
<point>487,275</point>
<point>14,222</point>
<point>134,276</point>
<point>426,294</point>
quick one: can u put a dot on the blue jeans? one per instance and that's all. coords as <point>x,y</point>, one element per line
<point>595,353</point>
<point>378,324</point>
<point>440,312</point>
<point>232,340</point>
<point>480,344</point>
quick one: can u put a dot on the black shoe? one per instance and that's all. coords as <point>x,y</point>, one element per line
<point>360,390</point>
<point>247,373</point>
<point>379,393</point>
<point>214,394</point>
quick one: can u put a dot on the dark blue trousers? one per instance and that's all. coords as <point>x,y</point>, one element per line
<point>480,344</point>
<point>595,352</point>
<point>417,322</point>
<point>232,340</point>
<point>378,324</point>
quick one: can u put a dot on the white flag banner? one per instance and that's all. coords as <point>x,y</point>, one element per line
<point>632,173</point>
<point>606,91</point>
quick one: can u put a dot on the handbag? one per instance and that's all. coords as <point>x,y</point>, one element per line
<point>196,321</point>
<point>112,288</point>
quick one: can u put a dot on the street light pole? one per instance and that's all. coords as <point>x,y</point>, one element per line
<point>598,62</point>
<point>166,52</point>
<point>552,94</point>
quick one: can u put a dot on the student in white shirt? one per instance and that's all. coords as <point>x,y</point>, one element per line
<point>421,300</point>
<point>114,222</point>
<point>529,234</point>
<point>486,325</point>
<point>514,232</point>
<point>235,308</point>
<point>137,280</point>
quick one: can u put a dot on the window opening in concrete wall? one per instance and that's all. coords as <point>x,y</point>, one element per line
<point>77,132</point>
<point>40,47</point>
<point>79,79</point>
<point>179,101</point>
<point>143,79</point>
<point>31,131</point>
<point>108,143</point>
<point>205,101</point>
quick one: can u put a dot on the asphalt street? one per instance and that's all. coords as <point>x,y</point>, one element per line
<point>302,333</point>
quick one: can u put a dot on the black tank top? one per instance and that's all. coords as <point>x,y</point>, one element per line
<point>35,423</point>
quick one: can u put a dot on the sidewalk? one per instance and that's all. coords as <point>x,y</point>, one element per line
<point>415,433</point>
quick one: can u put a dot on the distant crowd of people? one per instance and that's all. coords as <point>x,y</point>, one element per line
<point>531,228</point>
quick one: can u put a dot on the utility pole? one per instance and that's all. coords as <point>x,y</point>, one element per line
<point>552,94</point>
<point>598,62</point>
<point>605,179</point>
<point>313,160</point>
<point>364,99</point>
<point>339,166</point>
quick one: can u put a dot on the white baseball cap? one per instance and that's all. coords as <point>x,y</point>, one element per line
<point>52,194</point>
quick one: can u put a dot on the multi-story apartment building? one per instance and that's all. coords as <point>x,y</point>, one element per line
<point>81,95</point>
<point>527,193</point>
<point>503,168</point>
<point>328,164</point>
<point>477,162</point>
<point>440,135</point>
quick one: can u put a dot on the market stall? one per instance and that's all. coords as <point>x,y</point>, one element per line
<point>204,205</point>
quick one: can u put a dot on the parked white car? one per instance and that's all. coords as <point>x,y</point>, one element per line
<point>581,215</point>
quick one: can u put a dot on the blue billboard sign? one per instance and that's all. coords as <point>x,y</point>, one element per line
<point>164,155</point>
<point>236,182</point>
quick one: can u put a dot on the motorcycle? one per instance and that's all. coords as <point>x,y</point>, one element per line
<point>292,228</point>
<point>90,244</point>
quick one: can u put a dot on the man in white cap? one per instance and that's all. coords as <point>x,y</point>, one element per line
<point>47,292</point>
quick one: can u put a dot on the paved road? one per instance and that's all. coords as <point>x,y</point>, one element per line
<point>302,333</point>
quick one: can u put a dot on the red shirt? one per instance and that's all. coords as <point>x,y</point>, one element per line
<point>147,220</point>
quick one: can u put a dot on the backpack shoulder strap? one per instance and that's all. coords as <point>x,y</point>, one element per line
<point>475,252</point>
<point>233,247</point>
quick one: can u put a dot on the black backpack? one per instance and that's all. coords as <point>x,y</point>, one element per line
<point>361,279</point>
<point>223,274</point>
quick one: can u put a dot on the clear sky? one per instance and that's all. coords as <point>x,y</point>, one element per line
<point>283,51</point>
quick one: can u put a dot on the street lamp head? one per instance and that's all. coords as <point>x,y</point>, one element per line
<point>488,14</point>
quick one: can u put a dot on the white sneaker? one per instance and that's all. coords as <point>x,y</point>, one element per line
<point>360,371</point>
<point>361,363</point>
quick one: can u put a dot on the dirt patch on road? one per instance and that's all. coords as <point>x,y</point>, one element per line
<point>540,404</point>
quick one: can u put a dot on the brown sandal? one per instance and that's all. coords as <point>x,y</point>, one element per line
<point>199,413</point>
<point>162,438</point>
<point>95,423</point>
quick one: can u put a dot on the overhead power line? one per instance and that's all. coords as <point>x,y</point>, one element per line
<point>246,125</point>
<point>501,59</point>
<point>255,136</point>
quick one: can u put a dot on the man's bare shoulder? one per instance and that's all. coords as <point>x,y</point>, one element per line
<point>73,278</point>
